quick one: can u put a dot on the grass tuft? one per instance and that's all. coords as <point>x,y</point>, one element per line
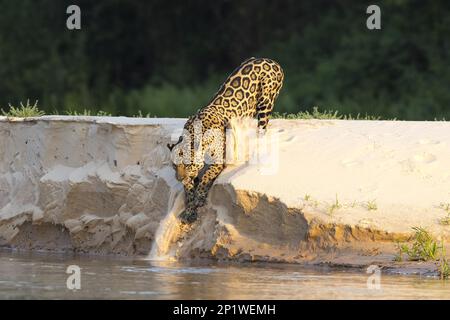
<point>335,206</point>
<point>445,207</point>
<point>444,267</point>
<point>446,220</point>
<point>326,114</point>
<point>141,115</point>
<point>87,113</point>
<point>24,111</point>
<point>371,205</point>
<point>425,248</point>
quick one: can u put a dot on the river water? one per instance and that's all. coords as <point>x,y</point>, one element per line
<point>43,276</point>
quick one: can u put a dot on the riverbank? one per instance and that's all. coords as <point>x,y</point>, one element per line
<point>335,192</point>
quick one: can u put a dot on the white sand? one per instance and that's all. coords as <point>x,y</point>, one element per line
<point>402,168</point>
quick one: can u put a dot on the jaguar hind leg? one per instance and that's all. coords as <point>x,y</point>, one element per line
<point>270,91</point>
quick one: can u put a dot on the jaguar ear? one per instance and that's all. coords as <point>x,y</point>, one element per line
<point>170,146</point>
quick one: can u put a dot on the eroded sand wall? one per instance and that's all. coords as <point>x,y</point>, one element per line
<point>338,189</point>
<point>83,184</point>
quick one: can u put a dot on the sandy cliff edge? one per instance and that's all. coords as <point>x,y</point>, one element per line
<point>341,192</point>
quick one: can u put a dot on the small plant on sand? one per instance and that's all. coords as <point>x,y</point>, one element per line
<point>311,202</point>
<point>371,205</point>
<point>446,220</point>
<point>24,111</point>
<point>315,114</point>
<point>141,115</point>
<point>400,248</point>
<point>335,206</point>
<point>102,113</point>
<point>444,267</point>
<point>424,246</point>
<point>445,207</point>
<point>87,113</point>
<point>318,114</point>
<point>71,112</point>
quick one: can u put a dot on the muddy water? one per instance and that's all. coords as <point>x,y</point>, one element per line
<point>43,276</point>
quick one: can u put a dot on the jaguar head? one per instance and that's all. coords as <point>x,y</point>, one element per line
<point>177,159</point>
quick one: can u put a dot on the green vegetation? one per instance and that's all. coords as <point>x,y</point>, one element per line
<point>334,206</point>
<point>371,205</point>
<point>445,207</point>
<point>446,220</point>
<point>444,267</point>
<point>141,115</point>
<point>314,203</point>
<point>129,56</point>
<point>425,248</point>
<point>326,114</point>
<point>23,111</point>
<point>28,110</point>
<point>86,112</point>
<point>33,111</point>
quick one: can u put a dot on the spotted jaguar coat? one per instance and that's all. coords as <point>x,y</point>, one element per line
<point>249,91</point>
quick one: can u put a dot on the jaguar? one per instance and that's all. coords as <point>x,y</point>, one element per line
<point>198,156</point>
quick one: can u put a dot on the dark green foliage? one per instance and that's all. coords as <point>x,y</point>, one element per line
<point>168,58</point>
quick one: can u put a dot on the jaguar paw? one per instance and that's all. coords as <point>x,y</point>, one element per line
<point>188,217</point>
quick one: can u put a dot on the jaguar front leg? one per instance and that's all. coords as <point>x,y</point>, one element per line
<point>206,182</point>
<point>201,193</point>
<point>189,215</point>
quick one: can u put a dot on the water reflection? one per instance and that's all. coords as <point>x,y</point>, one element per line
<point>43,276</point>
